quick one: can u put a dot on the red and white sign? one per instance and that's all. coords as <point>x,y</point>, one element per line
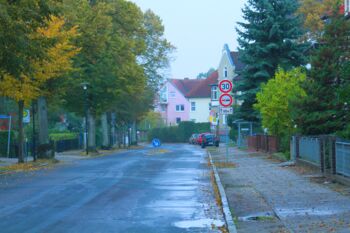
<point>225,86</point>
<point>225,100</point>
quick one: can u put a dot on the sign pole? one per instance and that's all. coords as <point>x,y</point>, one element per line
<point>9,136</point>
<point>227,135</point>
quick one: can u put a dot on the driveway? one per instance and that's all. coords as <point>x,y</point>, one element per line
<point>144,190</point>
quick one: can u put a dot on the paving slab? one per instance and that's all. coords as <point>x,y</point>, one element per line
<point>265,197</point>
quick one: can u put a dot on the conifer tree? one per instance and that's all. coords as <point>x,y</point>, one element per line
<point>324,110</point>
<point>267,40</point>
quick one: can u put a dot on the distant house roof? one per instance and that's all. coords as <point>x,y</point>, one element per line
<point>203,90</point>
<point>185,85</point>
<point>196,88</point>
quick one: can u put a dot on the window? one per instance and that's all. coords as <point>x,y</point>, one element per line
<point>214,93</point>
<point>172,94</point>
<point>180,108</point>
<point>162,108</point>
<point>164,95</point>
<point>178,120</point>
<point>225,72</point>
<point>347,7</point>
<point>209,106</point>
<point>193,106</point>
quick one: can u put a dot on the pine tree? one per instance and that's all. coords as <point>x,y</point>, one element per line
<point>324,110</point>
<point>267,40</point>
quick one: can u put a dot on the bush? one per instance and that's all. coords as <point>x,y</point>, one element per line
<point>345,133</point>
<point>180,133</point>
<point>4,141</point>
<point>62,136</point>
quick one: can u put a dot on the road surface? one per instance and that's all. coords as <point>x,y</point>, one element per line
<point>134,191</point>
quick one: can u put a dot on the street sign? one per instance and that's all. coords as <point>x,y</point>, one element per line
<point>225,100</point>
<point>156,142</point>
<point>226,110</point>
<point>26,116</point>
<point>225,86</point>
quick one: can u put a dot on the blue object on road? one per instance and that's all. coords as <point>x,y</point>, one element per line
<point>156,142</point>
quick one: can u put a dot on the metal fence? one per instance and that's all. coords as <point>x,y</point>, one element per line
<point>342,150</point>
<point>309,150</point>
<point>65,145</point>
<point>261,142</point>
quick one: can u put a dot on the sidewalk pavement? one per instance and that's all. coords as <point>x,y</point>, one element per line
<point>266,197</point>
<point>65,157</point>
<point>71,156</point>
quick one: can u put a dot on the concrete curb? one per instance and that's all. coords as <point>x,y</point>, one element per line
<point>226,209</point>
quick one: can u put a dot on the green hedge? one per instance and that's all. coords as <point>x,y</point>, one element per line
<point>62,136</point>
<point>3,142</point>
<point>180,133</point>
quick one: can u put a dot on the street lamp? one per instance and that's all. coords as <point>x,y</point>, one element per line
<point>85,87</point>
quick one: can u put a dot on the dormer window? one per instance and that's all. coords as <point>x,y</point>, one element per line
<point>225,72</point>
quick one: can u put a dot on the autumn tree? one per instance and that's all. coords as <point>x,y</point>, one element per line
<point>274,101</point>
<point>313,14</point>
<point>20,50</point>
<point>58,63</point>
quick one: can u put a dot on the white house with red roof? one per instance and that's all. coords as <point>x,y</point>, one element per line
<point>200,99</point>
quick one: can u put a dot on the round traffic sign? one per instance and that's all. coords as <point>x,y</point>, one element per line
<point>225,86</point>
<point>156,142</point>
<point>225,100</point>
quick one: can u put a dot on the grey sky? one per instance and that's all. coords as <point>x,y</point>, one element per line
<point>199,29</point>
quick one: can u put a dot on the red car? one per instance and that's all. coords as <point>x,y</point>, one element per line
<point>200,138</point>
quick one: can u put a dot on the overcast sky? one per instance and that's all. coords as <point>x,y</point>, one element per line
<point>198,29</point>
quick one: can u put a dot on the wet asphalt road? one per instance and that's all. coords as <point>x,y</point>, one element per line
<point>136,191</point>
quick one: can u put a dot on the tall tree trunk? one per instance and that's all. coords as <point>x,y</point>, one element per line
<point>133,133</point>
<point>105,131</point>
<point>113,131</point>
<point>92,132</point>
<point>20,131</point>
<point>43,121</point>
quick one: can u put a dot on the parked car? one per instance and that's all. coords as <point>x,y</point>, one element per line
<point>193,138</point>
<point>200,138</point>
<point>210,140</point>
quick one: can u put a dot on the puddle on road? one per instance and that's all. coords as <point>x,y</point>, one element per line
<point>284,213</point>
<point>199,223</point>
<point>264,216</point>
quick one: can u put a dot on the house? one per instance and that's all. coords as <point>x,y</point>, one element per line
<point>173,104</point>
<point>200,99</point>
<point>229,68</point>
<point>186,100</point>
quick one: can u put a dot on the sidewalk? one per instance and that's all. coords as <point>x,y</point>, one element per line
<point>265,197</point>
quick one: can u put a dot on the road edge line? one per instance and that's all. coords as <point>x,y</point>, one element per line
<point>225,207</point>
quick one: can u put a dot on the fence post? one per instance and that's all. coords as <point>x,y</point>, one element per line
<point>297,154</point>
<point>333,155</point>
<point>322,157</point>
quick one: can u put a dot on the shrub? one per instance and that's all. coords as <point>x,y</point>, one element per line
<point>180,133</point>
<point>4,141</point>
<point>62,136</point>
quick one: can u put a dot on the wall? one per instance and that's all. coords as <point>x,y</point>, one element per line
<point>201,114</point>
<point>173,100</point>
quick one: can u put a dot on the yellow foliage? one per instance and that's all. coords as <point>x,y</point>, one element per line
<point>312,11</point>
<point>58,62</point>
